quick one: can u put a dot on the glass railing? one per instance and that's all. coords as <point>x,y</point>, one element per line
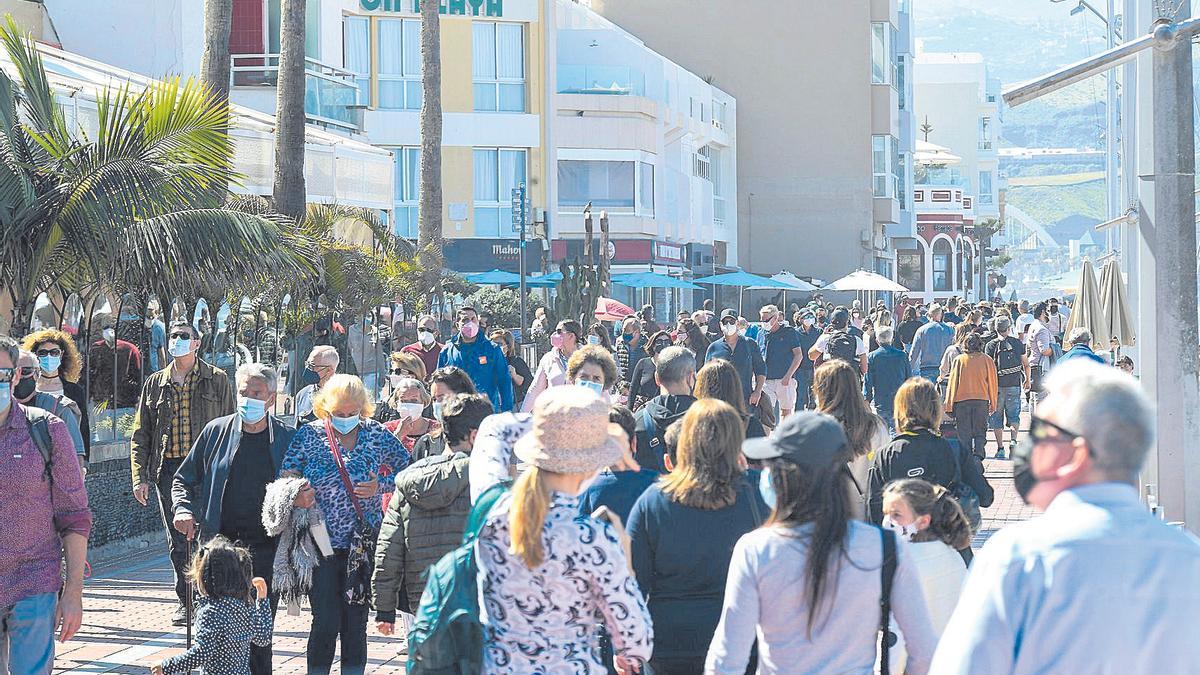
<point>330,93</point>
<point>608,80</point>
<point>934,175</point>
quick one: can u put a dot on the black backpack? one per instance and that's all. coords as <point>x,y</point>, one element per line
<point>38,421</point>
<point>1008,360</point>
<point>844,346</point>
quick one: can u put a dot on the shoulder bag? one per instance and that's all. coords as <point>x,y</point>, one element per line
<point>360,560</point>
<point>886,574</point>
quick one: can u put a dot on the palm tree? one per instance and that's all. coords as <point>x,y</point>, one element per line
<point>289,191</point>
<point>136,208</point>
<point>214,63</point>
<point>429,238</point>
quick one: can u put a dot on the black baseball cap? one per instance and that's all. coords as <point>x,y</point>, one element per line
<point>806,437</point>
<point>840,316</point>
<point>728,314</point>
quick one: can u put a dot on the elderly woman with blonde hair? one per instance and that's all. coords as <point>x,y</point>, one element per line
<point>341,454</point>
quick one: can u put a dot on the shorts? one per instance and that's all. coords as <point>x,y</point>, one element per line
<point>785,396</point>
<point>1008,408</point>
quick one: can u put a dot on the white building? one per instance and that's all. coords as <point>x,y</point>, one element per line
<point>649,142</point>
<point>957,109</point>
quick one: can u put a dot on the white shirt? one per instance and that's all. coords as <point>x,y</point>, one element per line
<point>823,342</point>
<point>942,573</point>
<point>1095,585</point>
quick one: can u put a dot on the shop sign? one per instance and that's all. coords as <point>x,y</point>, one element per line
<point>670,254</point>
<point>467,255</point>
<point>487,8</point>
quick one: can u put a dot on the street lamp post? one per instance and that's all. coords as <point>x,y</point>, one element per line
<point>1167,240</point>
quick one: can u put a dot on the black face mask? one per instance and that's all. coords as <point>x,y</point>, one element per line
<point>24,388</point>
<point>1054,309</point>
<point>1024,479</point>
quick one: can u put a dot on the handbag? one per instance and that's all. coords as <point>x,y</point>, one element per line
<point>965,494</point>
<point>360,559</point>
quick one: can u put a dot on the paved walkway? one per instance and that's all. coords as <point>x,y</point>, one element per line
<point>128,606</point>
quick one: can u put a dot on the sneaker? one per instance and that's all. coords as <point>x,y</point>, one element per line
<point>180,617</point>
<point>1000,453</point>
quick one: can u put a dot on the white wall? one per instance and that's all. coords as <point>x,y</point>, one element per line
<point>170,33</point>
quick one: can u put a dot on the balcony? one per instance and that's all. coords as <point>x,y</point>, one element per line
<point>607,80</point>
<point>985,144</point>
<point>330,93</point>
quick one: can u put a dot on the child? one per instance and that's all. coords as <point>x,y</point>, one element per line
<point>228,619</point>
<point>928,516</point>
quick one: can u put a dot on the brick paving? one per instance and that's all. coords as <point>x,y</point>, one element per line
<point>128,606</point>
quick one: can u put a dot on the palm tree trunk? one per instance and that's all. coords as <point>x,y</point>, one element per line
<point>214,64</point>
<point>429,241</point>
<point>289,192</point>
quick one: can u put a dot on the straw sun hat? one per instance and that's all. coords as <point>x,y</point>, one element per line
<point>571,433</point>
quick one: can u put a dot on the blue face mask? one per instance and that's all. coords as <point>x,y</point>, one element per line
<point>345,425</point>
<point>309,377</point>
<point>594,386</point>
<point>252,410</point>
<point>766,489</point>
<point>5,395</point>
<point>49,364</point>
<point>181,347</point>
<point>437,411</point>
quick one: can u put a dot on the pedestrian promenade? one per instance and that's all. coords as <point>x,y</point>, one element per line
<point>128,606</point>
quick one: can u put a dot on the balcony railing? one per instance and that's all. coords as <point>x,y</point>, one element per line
<point>606,80</point>
<point>330,93</point>
<point>985,145</point>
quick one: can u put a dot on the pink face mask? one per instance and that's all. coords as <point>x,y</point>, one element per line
<point>469,329</point>
<point>556,340</point>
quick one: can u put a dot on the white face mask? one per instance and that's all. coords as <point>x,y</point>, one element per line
<point>425,337</point>
<point>409,411</point>
<point>905,532</point>
<point>594,386</point>
<point>729,328</point>
<point>108,334</point>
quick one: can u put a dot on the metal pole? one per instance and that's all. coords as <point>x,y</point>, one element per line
<point>1172,243</point>
<point>522,266</point>
<point>1111,176</point>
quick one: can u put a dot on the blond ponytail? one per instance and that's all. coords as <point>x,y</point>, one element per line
<point>527,517</point>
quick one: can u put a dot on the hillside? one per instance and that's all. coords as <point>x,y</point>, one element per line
<point>1065,205</point>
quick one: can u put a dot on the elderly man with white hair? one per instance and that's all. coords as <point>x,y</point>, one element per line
<point>1080,341</point>
<point>321,365</point>
<point>1096,583</point>
<point>221,484</point>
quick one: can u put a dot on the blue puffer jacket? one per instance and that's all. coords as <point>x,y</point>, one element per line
<point>199,485</point>
<point>485,363</point>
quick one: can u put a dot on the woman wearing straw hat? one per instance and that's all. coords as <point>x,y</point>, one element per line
<point>545,573</point>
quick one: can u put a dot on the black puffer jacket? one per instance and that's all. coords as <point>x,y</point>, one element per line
<point>652,422</point>
<point>424,521</point>
<point>925,455</point>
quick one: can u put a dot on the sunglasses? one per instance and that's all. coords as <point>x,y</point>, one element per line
<point>181,336</point>
<point>27,371</point>
<point>1044,430</point>
<point>314,366</point>
<point>400,371</point>
<point>49,352</point>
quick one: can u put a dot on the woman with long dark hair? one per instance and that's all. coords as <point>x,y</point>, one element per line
<point>719,379</point>
<point>642,386</point>
<point>808,584</point>
<point>838,392</point>
<point>683,530</point>
<point>552,369</point>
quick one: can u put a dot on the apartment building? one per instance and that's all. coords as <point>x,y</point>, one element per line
<point>823,144</point>
<point>648,142</point>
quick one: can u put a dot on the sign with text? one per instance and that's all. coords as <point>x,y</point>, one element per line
<point>519,10</point>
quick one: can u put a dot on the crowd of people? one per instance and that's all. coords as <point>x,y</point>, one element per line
<point>791,495</point>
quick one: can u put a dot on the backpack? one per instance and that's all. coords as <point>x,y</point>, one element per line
<point>38,421</point>
<point>1008,360</point>
<point>447,635</point>
<point>964,494</point>
<point>842,345</point>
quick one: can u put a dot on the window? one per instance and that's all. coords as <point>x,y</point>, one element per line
<point>499,66</point>
<point>646,188</point>
<point>985,133</point>
<point>398,47</point>
<point>942,266</point>
<point>901,81</point>
<point>408,181</point>
<point>885,158</point>
<point>902,192</point>
<point>910,269</point>
<point>497,173</point>
<point>719,111</point>
<point>605,184</point>
<point>882,58</point>
<point>701,163</point>
<point>985,187</point>
<point>357,55</point>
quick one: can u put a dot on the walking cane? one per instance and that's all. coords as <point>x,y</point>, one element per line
<point>191,592</point>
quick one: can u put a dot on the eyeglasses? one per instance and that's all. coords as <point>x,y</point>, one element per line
<point>6,374</point>
<point>400,371</point>
<point>49,352</point>
<point>315,366</point>
<point>1044,430</point>
<point>181,336</point>
<point>27,371</point>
